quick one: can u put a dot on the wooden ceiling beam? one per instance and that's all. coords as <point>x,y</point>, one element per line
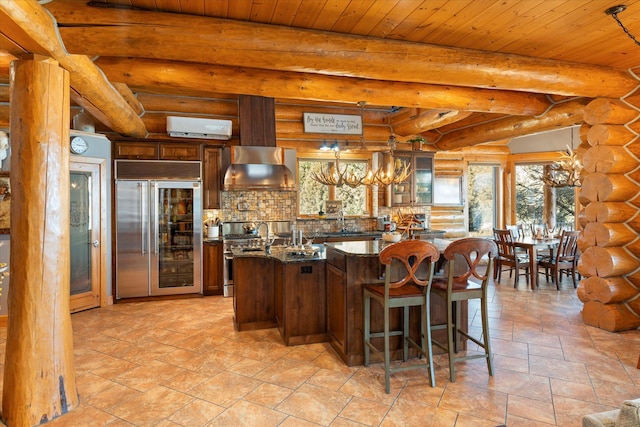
<point>30,26</point>
<point>560,116</point>
<point>147,75</point>
<point>428,120</point>
<point>108,32</point>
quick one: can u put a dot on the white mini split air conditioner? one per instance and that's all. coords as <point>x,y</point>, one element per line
<point>191,127</point>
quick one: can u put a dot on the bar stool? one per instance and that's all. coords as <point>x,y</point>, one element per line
<point>463,260</point>
<point>411,289</point>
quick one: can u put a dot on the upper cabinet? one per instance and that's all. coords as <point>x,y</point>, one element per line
<point>417,190</point>
<point>211,177</point>
<point>137,150</point>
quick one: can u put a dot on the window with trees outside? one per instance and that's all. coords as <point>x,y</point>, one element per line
<point>532,203</point>
<point>312,195</point>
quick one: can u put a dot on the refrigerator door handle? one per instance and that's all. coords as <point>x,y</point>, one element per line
<point>143,243</point>
<point>155,221</point>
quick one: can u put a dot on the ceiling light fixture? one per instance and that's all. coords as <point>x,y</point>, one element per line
<point>614,11</point>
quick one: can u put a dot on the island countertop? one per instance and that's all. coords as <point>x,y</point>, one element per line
<point>284,254</point>
<point>369,248</point>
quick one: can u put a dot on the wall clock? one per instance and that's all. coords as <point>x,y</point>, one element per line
<point>78,145</point>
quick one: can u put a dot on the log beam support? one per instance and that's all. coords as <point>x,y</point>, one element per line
<point>39,370</point>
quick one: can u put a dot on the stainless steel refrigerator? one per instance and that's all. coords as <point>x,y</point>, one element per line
<point>158,236</point>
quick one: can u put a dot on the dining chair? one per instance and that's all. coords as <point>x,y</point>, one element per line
<point>563,258</point>
<point>508,258</point>
<point>466,280</point>
<point>409,268</point>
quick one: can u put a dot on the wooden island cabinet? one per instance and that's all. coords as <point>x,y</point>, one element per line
<point>349,265</point>
<point>320,299</point>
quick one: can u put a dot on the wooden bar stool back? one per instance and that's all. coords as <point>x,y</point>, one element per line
<point>466,279</point>
<point>405,285</point>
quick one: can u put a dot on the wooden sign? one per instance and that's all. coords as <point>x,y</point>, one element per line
<point>332,123</point>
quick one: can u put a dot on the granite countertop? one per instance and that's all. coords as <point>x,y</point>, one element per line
<point>373,247</point>
<point>285,254</point>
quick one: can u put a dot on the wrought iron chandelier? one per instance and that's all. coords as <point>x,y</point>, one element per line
<point>565,172</point>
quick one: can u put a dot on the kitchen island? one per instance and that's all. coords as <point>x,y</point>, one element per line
<point>283,288</point>
<point>350,265</point>
<point>318,297</point>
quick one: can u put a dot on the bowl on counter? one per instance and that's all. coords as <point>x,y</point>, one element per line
<point>391,237</point>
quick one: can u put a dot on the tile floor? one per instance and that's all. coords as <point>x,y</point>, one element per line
<point>180,362</point>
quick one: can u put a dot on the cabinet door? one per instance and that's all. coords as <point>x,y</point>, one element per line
<point>212,268</point>
<point>136,150</point>
<point>418,188</point>
<point>423,179</point>
<point>402,194</point>
<point>211,178</point>
<point>336,280</point>
<point>180,151</point>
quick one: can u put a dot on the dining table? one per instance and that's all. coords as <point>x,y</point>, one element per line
<point>531,245</point>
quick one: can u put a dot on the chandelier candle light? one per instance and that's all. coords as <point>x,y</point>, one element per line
<point>393,172</point>
<point>564,172</point>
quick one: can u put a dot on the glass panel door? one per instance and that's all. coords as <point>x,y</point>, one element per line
<point>177,239</point>
<point>423,180</point>
<point>85,252</point>
<point>402,192</point>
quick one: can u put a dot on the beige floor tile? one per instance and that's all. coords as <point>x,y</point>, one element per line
<point>287,373</point>
<point>569,371</point>
<point>248,414</point>
<point>225,389</point>
<point>268,395</point>
<point>326,378</point>
<point>536,410</point>
<point>151,407</point>
<point>83,415</point>
<point>569,412</point>
<point>573,390</point>
<point>410,413</point>
<point>315,404</point>
<point>198,412</point>
<point>364,411</point>
<point>482,403</point>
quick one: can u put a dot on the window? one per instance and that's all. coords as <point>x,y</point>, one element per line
<point>536,204</point>
<point>312,195</point>
<point>482,199</point>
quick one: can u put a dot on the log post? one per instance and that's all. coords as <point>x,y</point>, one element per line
<point>39,370</point>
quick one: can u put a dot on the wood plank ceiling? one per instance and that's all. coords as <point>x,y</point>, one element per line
<point>458,72</point>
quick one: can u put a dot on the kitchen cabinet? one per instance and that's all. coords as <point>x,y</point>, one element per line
<point>182,151</point>
<point>212,260</point>
<point>211,178</point>
<point>135,150</point>
<point>300,301</point>
<point>417,189</point>
<point>150,150</point>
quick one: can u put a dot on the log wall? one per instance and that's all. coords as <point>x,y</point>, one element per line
<point>610,200</point>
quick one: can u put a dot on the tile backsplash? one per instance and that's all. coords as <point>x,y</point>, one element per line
<point>282,206</point>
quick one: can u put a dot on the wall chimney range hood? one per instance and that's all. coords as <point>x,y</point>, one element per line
<point>258,168</point>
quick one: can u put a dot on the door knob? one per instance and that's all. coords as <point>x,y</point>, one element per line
<point>96,243</point>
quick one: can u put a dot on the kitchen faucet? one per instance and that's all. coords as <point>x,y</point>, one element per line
<point>267,245</point>
<point>341,219</point>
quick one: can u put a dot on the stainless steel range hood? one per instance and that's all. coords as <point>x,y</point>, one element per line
<point>258,168</point>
